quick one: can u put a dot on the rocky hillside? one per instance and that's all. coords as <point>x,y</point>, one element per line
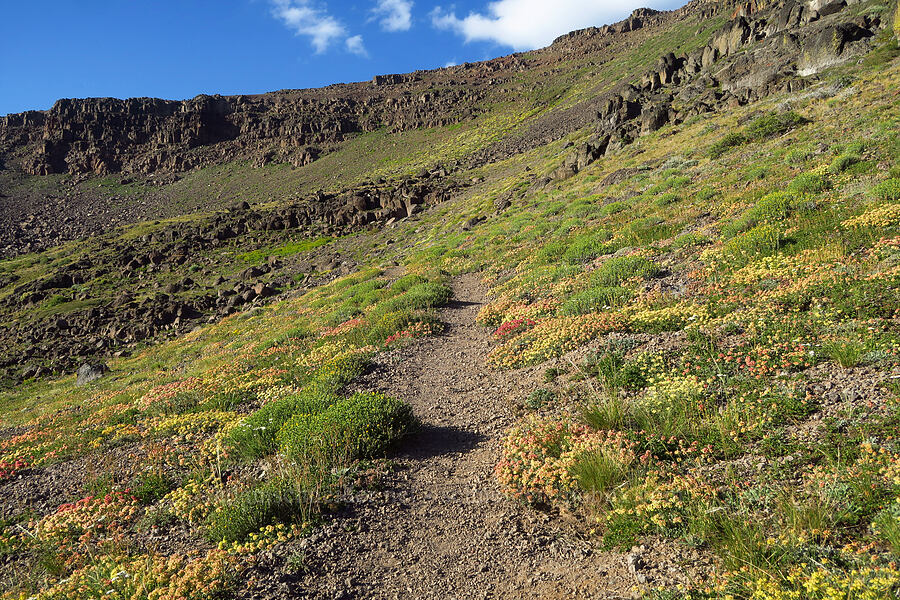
<point>625,307</point>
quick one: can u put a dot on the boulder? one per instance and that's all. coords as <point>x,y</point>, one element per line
<point>89,372</point>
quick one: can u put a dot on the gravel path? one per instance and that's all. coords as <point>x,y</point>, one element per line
<point>440,528</point>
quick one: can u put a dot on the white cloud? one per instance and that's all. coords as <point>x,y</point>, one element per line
<point>306,20</point>
<point>396,15</point>
<point>529,24</point>
<point>355,45</point>
<point>450,63</point>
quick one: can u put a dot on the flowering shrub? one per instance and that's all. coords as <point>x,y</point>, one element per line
<point>508,328</point>
<point>886,215</point>
<point>74,529</point>
<point>539,455</point>
<point>667,319</point>
<point>193,501</point>
<point>11,467</point>
<point>496,313</point>
<point>864,486</point>
<point>342,328</point>
<point>822,580</point>
<point>416,330</point>
<point>149,577</point>
<point>193,424</point>
<point>656,505</point>
<point>265,538</point>
<point>553,337</point>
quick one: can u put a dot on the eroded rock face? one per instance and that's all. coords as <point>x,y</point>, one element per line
<point>98,136</point>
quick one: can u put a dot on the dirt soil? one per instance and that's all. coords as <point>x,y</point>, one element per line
<point>439,527</point>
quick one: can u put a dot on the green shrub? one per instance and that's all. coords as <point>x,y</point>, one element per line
<point>842,163</point>
<point>407,281</point>
<point>666,199</point>
<point>256,436</point>
<point>810,183</point>
<point>361,426</point>
<point>888,190</point>
<point>770,209</point>
<point>418,296</point>
<point>617,270</point>
<point>551,252</point>
<point>612,208</point>
<point>771,125</point>
<point>594,299</point>
<point>600,471</point>
<point>539,398</point>
<point>730,140</point>
<point>762,239</point>
<point>689,240</point>
<point>607,412</point>
<point>279,501</point>
<point>588,246</point>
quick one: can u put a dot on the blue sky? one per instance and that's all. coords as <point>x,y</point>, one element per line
<point>180,48</point>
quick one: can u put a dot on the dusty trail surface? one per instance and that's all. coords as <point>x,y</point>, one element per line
<point>440,528</point>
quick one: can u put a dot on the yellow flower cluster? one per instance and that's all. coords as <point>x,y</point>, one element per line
<point>666,319</point>
<point>114,434</point>
<point>193,501</point>
<point>193,425</point>
<point>263,539</point>
<point>886,215</point>
<point>277,392</point>
<point>331,351</point>
<point>553,337</point>
<point>824,583</point>
<point>504,309</point>
<point>148,577</point>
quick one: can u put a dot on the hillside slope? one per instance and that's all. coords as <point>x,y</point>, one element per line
<point>631,309</point>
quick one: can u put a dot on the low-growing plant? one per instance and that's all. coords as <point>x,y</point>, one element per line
<point>846,354</point>
<point>595,299</point>
<point>771,125</point>
<point>728,141</point>
<point>281,500</point>
<point>887,190</point>
<point>361,426</point>
<point>618,270</point>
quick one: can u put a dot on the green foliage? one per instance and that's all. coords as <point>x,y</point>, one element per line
<point>606,412</point>
<point>539,398</point>
<point>256,436</point>
<point>361,426</point>
<point>612,208</point>
<point>729,141</point>
<point>771,125</point>
<point>599,471</point>
<point>618,270</point>
<point>280,500</point>
<point>288,249</point>
<point>418,296</point>
<point>760,240</point>
<point>595,299</point>
<point>843,162</point>
<point>666,199</point>
<point>887,191</point>
<point>588,246</point>
<point>846,354</point>
<point>404,283</point>
<point>690,240</point>
<point>810,183</point>
<point>770,209</point>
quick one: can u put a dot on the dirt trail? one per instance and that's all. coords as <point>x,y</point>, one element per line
<point>441,529</point>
